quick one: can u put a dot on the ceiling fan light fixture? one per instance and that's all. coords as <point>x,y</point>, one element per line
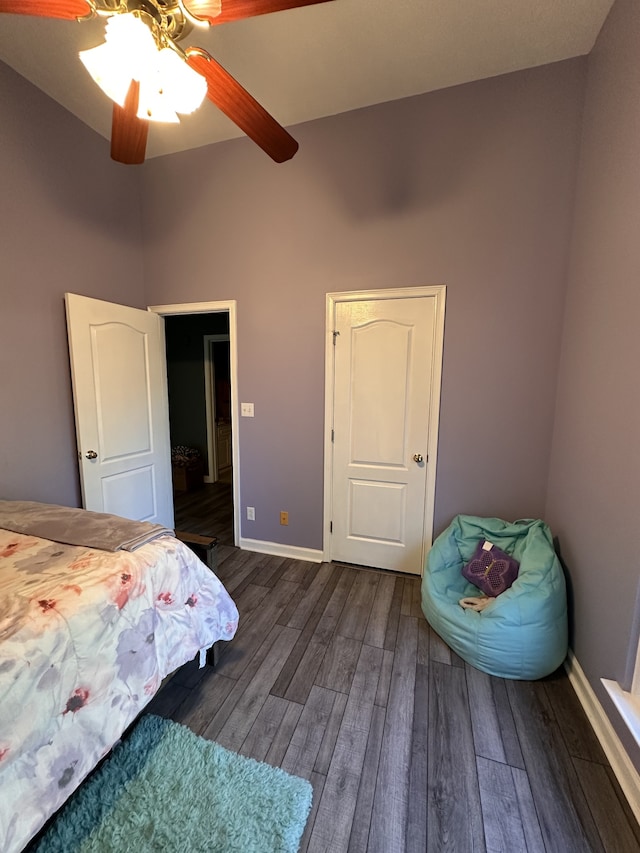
<point>167,84</point>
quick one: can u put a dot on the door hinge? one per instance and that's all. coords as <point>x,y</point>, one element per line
<point>335,336</point>
<point>333,436</point>
<point>331,527</point>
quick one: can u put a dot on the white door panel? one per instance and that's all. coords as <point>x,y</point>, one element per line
<point>377,384</point>
<point>119,351</point>
<point>118,367</point>
<point>377,511</point>
<point>385,353</point>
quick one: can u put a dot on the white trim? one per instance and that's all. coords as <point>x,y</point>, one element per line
<point>214,308</point>
<point>192,308</point>
<point>635,684</point>
<point>329,383</point>
<point>439,292</point>
<point>277,549</point>
<point>618,758</point>
<point>627,704</point>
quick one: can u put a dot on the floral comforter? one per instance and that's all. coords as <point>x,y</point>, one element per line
<point>86,637</point>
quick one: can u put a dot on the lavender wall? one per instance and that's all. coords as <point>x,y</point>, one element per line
<point>70,222</point>
<point>471,187</point>
<point>594,488</point>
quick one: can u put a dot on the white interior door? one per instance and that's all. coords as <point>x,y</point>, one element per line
<point>118,368</point>
<point>386,385</point>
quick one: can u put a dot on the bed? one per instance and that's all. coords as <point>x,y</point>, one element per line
<point>87,635</point>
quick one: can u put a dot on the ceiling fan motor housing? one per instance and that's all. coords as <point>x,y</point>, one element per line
<point>164,19</point>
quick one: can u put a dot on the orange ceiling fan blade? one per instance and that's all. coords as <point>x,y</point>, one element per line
<point>237,10</point>
<point>128,132</point>
<point>242,108</point>
<point>66,9</point>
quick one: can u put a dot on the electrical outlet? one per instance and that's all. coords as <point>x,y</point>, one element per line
<point>251,513</point>
<point>284,517</point>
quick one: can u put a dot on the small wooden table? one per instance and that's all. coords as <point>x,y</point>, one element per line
<point>206,543</point>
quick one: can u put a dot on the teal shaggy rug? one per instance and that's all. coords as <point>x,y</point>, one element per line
<point>166,790</point>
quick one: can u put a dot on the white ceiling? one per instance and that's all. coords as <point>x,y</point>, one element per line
<point>322,60</point>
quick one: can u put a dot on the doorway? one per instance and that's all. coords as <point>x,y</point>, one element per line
<point>200,342</point>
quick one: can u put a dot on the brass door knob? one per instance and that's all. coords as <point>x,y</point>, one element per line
<point>418,457</point>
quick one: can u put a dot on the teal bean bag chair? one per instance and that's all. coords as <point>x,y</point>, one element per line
<point>522,633</point>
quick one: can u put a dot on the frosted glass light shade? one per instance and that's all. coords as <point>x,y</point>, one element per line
<point>183,87</point>
<point>153,105</point>
<point>114,80</point>
<point>128,49</point>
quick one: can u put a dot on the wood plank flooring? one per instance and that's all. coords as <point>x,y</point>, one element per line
<point>207,511</point>
<point>335,675</point>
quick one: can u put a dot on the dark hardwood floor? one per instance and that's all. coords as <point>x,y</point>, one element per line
<point>207,511</point>
<point>335,676</point>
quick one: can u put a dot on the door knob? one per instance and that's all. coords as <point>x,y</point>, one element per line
<point>93,455</point>
<point>418,457</point>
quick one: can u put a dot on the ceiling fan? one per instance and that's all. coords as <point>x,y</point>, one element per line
<point>150,77</point>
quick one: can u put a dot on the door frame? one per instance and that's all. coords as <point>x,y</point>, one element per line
<point>228,306</point>
<point>437,292</point>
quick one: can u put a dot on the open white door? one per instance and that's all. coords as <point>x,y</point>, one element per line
<point>118,369</point>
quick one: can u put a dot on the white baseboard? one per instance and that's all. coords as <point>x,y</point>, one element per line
<point>278,550</point>
<point>618,758</point>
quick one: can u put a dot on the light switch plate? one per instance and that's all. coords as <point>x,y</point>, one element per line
<point>246,410</point>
